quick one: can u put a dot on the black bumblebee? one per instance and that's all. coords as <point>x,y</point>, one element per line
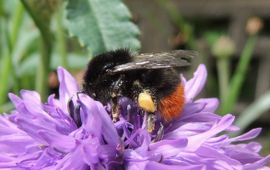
<point>151,80</point>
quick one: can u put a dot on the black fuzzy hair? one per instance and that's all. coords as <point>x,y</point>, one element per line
<point>112,58</point>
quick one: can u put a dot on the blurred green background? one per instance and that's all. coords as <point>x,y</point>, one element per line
<point>232,37</point>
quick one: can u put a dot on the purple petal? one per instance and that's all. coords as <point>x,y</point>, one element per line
<point>131,155</point>
<point>211,104</point>
<point>90,117</point>
<point>108,129</point>
<point>31,96</point>
<point>46,136</point>
<point>53,102</point>
<point>137,165</point>
<point>254,147</point>
<point>60,121</point>
<point>168,148</point>
<point>160,166</point>
<point>30,129</point>
<point>6,161</point>
<point>191,108</point>
<point>15,99</point>
<point>32,103</point>
<point>247,136</point>
<point>241,153</point>
<point>194,86</point>
<point>257,164</point>
<point>209,152</point>
<point>187,129</point>
<point>90,150</point>
<point>219,141</point>
<point>146,140</point>
<point>194,142</point>
<point>7,127</point>
<point>21,141</point>
<point>60,142</point>
<point>67,88</point>
<point>72,161</point>
<point>201,117</point>
<point>233,128</point>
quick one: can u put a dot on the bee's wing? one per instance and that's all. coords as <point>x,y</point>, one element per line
<point>174,59</point>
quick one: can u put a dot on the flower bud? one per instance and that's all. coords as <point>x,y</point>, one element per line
<point>254,25</point>
<point>224,47</point>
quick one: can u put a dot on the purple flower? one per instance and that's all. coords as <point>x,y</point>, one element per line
<point>76,132</point>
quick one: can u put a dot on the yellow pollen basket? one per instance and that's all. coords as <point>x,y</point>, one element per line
<point>146,102</point>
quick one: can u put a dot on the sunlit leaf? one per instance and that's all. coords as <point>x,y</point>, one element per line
<point>102,25</point>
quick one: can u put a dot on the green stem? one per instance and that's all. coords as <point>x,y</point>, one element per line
<point>4,76</point>
<point>223,76</point>
<point>16,23</point>
<point>239,76</point>
<point>61,39</point>
<point>5,62</point>
<point>8,43</point>
<point>43,71</point>
<point>1,8</point>
<point>46,48</point>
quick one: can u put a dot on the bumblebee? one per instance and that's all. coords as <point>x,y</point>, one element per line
<point>151,80</point>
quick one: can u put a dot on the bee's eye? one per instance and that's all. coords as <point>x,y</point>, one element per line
<point>107,67</point>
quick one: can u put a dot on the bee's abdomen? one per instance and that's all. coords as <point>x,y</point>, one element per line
<point>171,106</point>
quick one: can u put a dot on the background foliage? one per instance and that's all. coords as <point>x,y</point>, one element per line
<point>35,39</point>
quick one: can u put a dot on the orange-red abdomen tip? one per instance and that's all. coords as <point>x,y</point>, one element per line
<point>171,106</point>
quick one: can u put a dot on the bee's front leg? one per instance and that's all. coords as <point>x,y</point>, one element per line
<point>151,120</point>
<point>115,109</point>
<point>115,113</point>
<point>116,93</point>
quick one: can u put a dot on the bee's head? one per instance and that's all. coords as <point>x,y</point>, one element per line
<point>97,73</point>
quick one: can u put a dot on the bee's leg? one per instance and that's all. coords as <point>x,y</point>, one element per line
<point>115,113</point>
<point>151,120</point>
<point>115,109</point>
<point>160,133</point>
<point>115,95</point>
<point>148,104</point>
<point>149,124</point>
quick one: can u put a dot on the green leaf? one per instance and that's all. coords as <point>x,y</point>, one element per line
<point>102,25</point>
<point>254,111</point>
